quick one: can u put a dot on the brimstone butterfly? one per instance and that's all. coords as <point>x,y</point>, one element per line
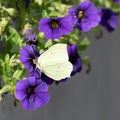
<point>55,62</point>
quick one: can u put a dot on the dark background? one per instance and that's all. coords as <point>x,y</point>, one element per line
<point>84,97</point>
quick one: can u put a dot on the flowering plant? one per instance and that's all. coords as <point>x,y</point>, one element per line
<point>41,42</point>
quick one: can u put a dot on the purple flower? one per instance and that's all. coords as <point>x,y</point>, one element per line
<point>32,93</point>
<point>27,3</point>
<point>108,19</point>
<point>28,56</point>
<point>116,0</point>
<point>75,59</point>
<point>85,16</point>
<point>46,79</point>
<point>54,28</point>
<point>30,37</point>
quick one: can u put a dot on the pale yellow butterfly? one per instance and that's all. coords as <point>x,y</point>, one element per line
<point>55,62</point>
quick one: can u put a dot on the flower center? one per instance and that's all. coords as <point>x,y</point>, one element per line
<point>54,24</point>
<point>80,14</point>
<point>106,16</point>
<point>30,90</point>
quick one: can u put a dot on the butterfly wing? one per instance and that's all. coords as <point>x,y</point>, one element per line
<point>58,71</point>
<point>54,62</point>
<point>57,52</point>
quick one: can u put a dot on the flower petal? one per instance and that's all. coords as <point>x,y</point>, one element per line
<point>29,104</point>
<point>113,21</point>
<point>84,5</point>
<point>42,87</point>
<point>20,94</point>
<point>73,14</point>
<point>32,80</point>
<point>42,99</point>
<point>21,85</point>
<point>44,24</point>
<point>66,25</point>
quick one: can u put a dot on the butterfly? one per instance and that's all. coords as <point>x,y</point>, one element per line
<point>54,62</point>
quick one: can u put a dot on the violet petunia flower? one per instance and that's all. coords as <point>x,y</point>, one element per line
<point>116,1</point>
<point>54,28</point>
<point>108,19</point>
<point>30,37</point>
<point>75,59</point>
<point>32,92</point>
<point>85,16</point>
<point>28,56</point>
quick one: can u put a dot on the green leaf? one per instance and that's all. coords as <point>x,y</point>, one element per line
<point>13,41</point>
<point>4,23</point>
<point>86,60</point>
<point>7,58</point>
<point>10,11</point>
<point>44,14</point>
<point>6,79</point>
<point>49,43</point>
<point>84,44</point>
<point>6,88</point>
<point>17,75</point>
<point>6,67</point>
<point>54,13</point>
<point>101,1</point>
<point>16,37</point>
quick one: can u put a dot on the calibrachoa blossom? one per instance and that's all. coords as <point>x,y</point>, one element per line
<point>116,0</point>
<point>30,37</point>
<point>75,59</point>
<point>85,16</point>
<point>54,28</point>
<point>108,19</point>
<point>32,92</point>
<point>28,56</point>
